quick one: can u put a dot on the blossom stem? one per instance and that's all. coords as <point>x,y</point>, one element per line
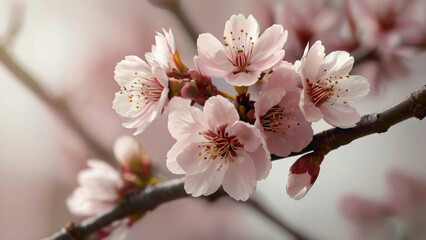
<point>57,105</point>
<point>227,95</point>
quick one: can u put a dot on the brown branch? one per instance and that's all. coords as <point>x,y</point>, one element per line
<point>151,197</point>
<point>412,106</point>
<point>269,215</point>
<point>58,106</point>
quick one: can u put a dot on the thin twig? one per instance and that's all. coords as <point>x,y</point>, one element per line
<point>175,7</point>
<point>148,199</point>
<point>269,215</point>
<point>58,106</point>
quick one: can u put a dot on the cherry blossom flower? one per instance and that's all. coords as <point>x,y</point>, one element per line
<point>143,93</point>
<point>98,192</point>
<point>214,148</point>
<point>278,115</point>
<point>244,55</point>
<point>327,87</point>
<point>303,174</point>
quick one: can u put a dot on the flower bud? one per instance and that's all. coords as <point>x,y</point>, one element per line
<point>303,174</point>
<point>126,150</point>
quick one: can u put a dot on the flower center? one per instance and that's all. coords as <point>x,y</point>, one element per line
<point>273,120</point>
<point>318,94</point>
<point>220,144</point>
<point>143,90</point>
<point>240,47</point>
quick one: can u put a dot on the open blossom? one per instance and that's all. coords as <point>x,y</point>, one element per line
<point>143,93</point>
<point>214,148</point>
<point>327,87</point>
<point>278,115</point>
<point>303,174</point>
<point>243,55</point>
<point>98,192</point>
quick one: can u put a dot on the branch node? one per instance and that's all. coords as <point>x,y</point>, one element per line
<point>419,110</point>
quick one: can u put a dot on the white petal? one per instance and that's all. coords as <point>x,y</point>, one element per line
<point>312,61</point>
<point>206,182</point>
<point>340,115</point>
<point>247,134</point>
<point>220,111</point>
<point>240,179</point>
<point>350,88</point>
<point>270,42</point>
<point>298,185</point>
<point>186,122</point>
<point>212,58</point>
<point>243,78</point>
<point>337,63</point>
<point>126,69</point>
<point>191,159</point>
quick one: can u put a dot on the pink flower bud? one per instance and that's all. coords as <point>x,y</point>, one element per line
<point>303,174</point>
<point>126,150</point>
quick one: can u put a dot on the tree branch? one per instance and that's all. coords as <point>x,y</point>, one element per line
<point>58,106</point>
<point>151,197</point>
<point>412,106</point>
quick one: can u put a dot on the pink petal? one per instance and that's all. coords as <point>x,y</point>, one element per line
<point>298,185</point>
<point>267,100</point>
<point>183,123</point>
<point>191,160</point>
<point>311,112</point>
<point>125,70</point>
<point>171,162</point>
<point>240,179</point>
<point>207,182</point>
<point>270,42</point>
<point>340,115</point>
<point>351,88</point>
<point>262,162</point>
<point>220,111</point>
<point>312,62</point>
<point>337,63</point>
<point>243,78</point>
<point>283,77</point>
<point>247,135</point>
<point>212,59</point>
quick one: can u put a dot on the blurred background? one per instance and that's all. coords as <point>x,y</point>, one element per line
<point>72,47</point>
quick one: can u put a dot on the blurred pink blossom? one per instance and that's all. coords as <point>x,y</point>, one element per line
<point>214,148</point>
<point>244,55</point>
<point>402,216</point>
<point>308,21</point>
<point>99,191</point>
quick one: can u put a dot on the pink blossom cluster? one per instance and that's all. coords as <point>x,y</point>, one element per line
<point>382,33</point>
<point>226,140</point>
<point>102,187</point>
